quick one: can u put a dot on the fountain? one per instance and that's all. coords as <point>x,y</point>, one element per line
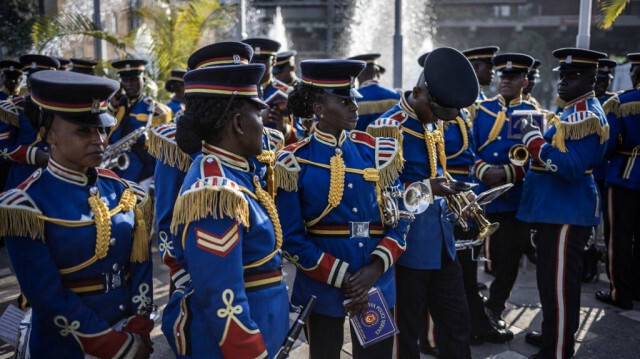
<point>369,31</point>
<point>278,31</point>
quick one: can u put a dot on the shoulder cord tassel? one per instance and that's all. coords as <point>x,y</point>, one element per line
<point>465,137</point>
<point>336,187</point>
<point>501,118</point>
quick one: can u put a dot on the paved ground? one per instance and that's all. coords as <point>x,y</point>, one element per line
<point>605,331</point>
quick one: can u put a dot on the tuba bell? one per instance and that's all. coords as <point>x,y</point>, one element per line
<point>457,204</point>
<point>519,155</point>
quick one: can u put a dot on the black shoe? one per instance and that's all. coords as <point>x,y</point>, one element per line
<point>605,297</point>
<point>495,335</point>
<point>427,350</point>
<point>496,319</point>
<point>534,338</point>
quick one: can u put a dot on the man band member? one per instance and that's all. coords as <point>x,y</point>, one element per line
<point>175,84</point>
<point>495,136</point>
<point>132,112</point>
<point>285,67</point>
<point>376,99</point>
<point>83,66</point>
<point>428,273</point>
<point>560,198</point>
<point>480,58</point>
<point>534,77</point>
<point>10,72</point>
<point>623,194</point>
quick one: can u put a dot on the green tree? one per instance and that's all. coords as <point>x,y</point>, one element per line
<point>16,18</point>
<point>610,10</point>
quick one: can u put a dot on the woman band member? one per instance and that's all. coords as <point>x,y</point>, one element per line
<point>236,304</point>
<point>78,236</point>
<point>328,191</point>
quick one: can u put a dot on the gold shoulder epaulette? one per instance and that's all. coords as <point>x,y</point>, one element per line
<point>579,125</point>
<point>20,216</point>
<point>612,106</point>
<point>389,160</point>
<point>385,127</point>
<point>9,113</point>
<point>629,109</point>
<point>287,168</point>
<point>217,197</point>
<point>163,147</point>
<point>143,211</point>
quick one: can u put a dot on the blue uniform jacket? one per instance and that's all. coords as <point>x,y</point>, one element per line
<point>176,105</point>
<point>430,231</point>
<point>141,164</point>
<point>376,100</point>
<point>493,116</point>
<point>325,241</point>
<point>171,168</point>
<point>559,187</point>
<point>624,147</point>
<point>235,305</point>
<point>80,281</point>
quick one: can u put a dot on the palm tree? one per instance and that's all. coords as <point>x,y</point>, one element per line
<point>176,31</point>
<point>610,10</point>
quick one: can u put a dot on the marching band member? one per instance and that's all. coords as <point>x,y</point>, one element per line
<point>78,236</point>
<point>376,99</point>
<point>623,180</point>
<point>19,142</point>
<point>172,163</point>
<point>175,84</point>
<point>225,220</point>
<point>480,58</point>
<point>428,273</point>
<point>133,111</point>
<point>534,77</point>
<point>495,135</point>
<point>560,198</point>
<point>328,192</point>
<point>83,66</point>
<point>285,68</point>
<point>10,72</point>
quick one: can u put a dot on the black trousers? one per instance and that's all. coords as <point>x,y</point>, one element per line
<point>326,336</point>
<point>479,320</point>
<point>442,291</point>
<point>558,272</point>
<point>624,239</point>
<point>508,244</point>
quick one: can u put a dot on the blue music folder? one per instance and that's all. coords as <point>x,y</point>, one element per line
<point>376,323</point>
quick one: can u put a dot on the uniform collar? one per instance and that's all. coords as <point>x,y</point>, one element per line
<point>328,139</point>
<point>71,176</point>
<point>515,102</point>
<point>135,100</point>
<point>227,158</point>
<point>404,105</point>
<point>586,96</point>
<point>369,83</point>
<point>294,80</point>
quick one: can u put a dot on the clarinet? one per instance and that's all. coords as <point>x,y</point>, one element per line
<point>294,332</point>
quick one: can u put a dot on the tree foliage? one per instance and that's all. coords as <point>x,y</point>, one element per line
<point>610,10</point>
<point>16,18</point>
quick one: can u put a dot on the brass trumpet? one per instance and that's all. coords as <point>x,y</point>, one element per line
<point>457,202</point>
<point>519,155</point>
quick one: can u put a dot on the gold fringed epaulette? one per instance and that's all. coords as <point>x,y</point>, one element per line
<point>611,106</point>
<point>560,102</point>
<point>629,109</point>
<point>162,147</point>
<point>376,106</point>
<point>217,197</point>
<point>385,127</point>
<point>19,216</point>
<point>286,169</point>
<point>551,119</point>
<point>389,160</point>
<point>577,130</point>
<point>9,113</point>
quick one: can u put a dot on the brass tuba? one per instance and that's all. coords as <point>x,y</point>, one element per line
<point>456,203</point>
<point>519,155</point>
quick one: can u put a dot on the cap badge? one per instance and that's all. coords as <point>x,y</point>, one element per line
<point>352,81</point>
<point>569,59</point>
<point>509,64</point>
<point>236,59</point>
<point>95,105</point>
<point>128,67</point>
<point>11,68</point>
<point>34,65</point>
<point>256,51</point>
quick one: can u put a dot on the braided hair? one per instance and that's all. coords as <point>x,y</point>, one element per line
<point>302,98</point>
